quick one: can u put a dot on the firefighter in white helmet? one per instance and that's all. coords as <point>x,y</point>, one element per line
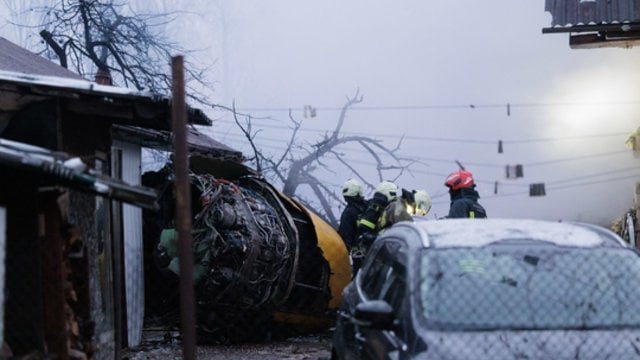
<point>414,202</point>
<point>356,205</point>
<point>422,203</point>
<point>384,193</point>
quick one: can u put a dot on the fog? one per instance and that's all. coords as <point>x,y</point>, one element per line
<point>453,78</point>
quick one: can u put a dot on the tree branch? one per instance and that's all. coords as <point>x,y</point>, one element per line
<point>60,53</point>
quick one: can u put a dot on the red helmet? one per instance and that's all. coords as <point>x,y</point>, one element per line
<point>459,179</point>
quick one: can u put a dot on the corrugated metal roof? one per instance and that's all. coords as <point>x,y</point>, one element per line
<point>566,13</point>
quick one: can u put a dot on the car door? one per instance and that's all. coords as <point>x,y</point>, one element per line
<point>345,343</point>
<point>385,280</point>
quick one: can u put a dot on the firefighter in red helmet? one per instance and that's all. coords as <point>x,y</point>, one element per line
<point>464,197</point>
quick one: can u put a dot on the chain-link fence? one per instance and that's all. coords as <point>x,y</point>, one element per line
<point>553,293</point>
<point>259,261</point>
<point>266,268</point>
<point>58,298</point>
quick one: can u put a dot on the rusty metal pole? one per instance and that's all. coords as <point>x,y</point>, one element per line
<point>183,209</point>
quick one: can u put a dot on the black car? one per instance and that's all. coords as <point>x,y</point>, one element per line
<point>491,289</point>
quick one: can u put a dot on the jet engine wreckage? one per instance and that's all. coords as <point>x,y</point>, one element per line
<point>261,259</point>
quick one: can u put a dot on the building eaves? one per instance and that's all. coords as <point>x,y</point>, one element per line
<point>197,142</point>
<point>596,23</point>
<point>133,107</point>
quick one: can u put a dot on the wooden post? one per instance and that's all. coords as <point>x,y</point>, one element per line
<point>53,270</point>
<point>183,209</point>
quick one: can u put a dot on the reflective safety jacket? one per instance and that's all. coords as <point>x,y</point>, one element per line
<point>348,228</point>
<point>464,204</point>
<point>369,220</point>
<point>395,212</point>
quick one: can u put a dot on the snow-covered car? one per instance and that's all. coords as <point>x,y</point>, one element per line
<point>493,289</point>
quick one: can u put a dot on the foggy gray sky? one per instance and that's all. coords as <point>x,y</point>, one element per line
<point>430,61</point>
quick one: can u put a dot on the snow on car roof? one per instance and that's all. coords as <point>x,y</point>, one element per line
<point>480,232</point>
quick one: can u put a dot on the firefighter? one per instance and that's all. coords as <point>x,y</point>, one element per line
<point>415,202</point>
<point>356,205</point>
<point>422,203</point>
<point>464,197</point>
<point>385,192</point>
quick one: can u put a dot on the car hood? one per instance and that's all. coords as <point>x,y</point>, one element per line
<point>532,345</point>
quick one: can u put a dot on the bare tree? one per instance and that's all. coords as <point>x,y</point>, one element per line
<point>295,171</point>
<point>104,37</point>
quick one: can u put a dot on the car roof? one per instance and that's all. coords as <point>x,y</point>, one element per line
<point>480,232</point>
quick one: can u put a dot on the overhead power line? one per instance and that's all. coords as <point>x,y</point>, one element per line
<point>470,106</point>
<point>579,178</point>
<point>576,180</point>
<point>552,188</point>
<point>468,163</point>
<point>564,138</point>
<point>583,157</point>
<point>493,142</point>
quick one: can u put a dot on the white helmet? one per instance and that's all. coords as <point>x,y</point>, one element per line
<point>352,187</point>
<point>423,202</point>
<point>388,189</point>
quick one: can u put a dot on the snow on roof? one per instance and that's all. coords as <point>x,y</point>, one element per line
<point>567,13</point>
<point>480,232</point>
<point>69,83</point>
<point>43,85</point>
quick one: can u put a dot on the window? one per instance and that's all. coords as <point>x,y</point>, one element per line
<point>384,277</point>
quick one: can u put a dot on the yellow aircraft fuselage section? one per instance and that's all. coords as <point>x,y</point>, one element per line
<point>335,252</point>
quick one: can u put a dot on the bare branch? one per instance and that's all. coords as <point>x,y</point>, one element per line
<point>302,169</point>
<point>87,34</point>
<point>316,187</point>
<point>247,133</point>
<point>292,138</point>
<point>356,99</point>
<point>60,52</point>
<point>353,170</point>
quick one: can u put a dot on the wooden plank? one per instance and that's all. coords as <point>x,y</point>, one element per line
<point>53,272</point>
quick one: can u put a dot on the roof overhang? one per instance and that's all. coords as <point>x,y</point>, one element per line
<point>197,142</point>
<point>121,105</point>
<point>623,35</point>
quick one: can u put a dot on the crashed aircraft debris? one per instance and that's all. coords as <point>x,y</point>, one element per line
<point>260,257</point>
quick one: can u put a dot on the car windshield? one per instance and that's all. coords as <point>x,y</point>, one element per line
<point>543,287</point>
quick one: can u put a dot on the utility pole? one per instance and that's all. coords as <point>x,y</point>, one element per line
<point>183,209</point>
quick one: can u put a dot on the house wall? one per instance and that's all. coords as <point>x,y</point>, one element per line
<point>90,139</point>
<point>3,246</point>
<point>23,298</point>
<point>129,160</point>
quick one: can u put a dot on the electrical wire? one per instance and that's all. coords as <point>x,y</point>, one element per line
<point>477,164</point>
<point>444,139</point>
<point>469,106</point>
<point>552,188</point>
<point>583,157</point>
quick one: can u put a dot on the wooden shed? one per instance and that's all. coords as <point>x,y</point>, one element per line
<point>70,217</point>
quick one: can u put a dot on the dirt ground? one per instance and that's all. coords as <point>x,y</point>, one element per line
<point>306,347</point>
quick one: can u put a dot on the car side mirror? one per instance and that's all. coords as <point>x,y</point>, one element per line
<point>375,314</point>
